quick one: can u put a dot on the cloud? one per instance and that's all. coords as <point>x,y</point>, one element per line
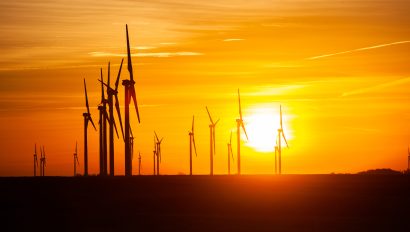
<point>232,39</point>
<point>144,47</point>
<point>358,50</point>
<point>146,54</point>
<point>377,87</point>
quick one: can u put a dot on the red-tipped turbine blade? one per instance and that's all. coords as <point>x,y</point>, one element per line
<point>135,103</point>
<point>118,76</point>
<point>210,118</point>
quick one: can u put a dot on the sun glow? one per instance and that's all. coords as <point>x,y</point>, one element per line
<point>262,127</point>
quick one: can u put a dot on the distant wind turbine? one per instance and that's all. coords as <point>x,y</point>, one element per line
<point>87,118</point>
<point>76,162</point>
<point>42,162</point>
<point>191,141</point>
<point>139,163</point>
<point>35,159</point>
<point>155,155</point>
<point>239,124</point>
<point>281,135</point>
<point>230,154</point>
<point>212,141</point>
<point>111,94</point>
<point>129,93</point>
<point>158,149</point>
<point>132,144</point>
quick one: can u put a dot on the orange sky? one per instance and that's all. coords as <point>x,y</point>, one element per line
<point>339,69</point>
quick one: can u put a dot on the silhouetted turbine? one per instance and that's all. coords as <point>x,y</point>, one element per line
<point>129,93</point>
<point>87,118</point>
<point>239,124</point>
<point>191,141</point>
<point>103,129</point>
<point>158,149</point>
<point>42,161</point>
<point>111,94</point>
<point>212,141</point>
<point>75,160</point>
<point>230,154</point>
<point>155,155</point>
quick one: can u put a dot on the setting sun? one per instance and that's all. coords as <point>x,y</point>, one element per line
<point>262,127</point>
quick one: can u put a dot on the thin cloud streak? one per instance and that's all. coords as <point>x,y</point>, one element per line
<point>146,54</point>
<point>358,50</point>
<point>377,87</point>
<point>233,39</point>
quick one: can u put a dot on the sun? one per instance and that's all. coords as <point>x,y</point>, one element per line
<point>262,127</point>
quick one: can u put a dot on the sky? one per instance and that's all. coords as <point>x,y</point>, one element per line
<point>339,69</point>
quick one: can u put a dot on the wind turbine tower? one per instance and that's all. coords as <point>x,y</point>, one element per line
<point>139,163</point>
<point>239,124</point>
<point>102,108</point>
<point>129,93</point>
<point>191,141</point>
<point>35,160</point>
<point>155,154</point>
<point>158,151</point>
<point>87,118</point>
<point>212,141</point>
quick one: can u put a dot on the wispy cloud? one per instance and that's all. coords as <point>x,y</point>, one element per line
<point>144,47</point>
<point>358,50</point>
<point>232,39</point>
<point>146,54</point>
<point>377,87</point>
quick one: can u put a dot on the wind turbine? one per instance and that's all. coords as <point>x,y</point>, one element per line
<point>139,163</point>
<point>191,141</point>
<point>281,135</point>
<point>76,162</point>
<point>35,159</point>
<point>129,93</point>
<point>42,162</point>
<point>158,149</point>
<point>155,154</point>
<point>87,118</point>
<point>239,124</point>
<point>230,154</point>
<point>111,94</point>
<point>408,159</point>
<point>212,141</point>
<point>132,144</point>
<point>103,130</point>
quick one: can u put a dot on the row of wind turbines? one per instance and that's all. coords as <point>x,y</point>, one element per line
<point>107,156</point>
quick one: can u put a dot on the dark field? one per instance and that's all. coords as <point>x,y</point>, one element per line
<point>203,203</point>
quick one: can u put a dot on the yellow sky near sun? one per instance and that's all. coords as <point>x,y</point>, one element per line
<point>339,69</point>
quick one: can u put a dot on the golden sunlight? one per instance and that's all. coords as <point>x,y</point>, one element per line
<point>262,127</point>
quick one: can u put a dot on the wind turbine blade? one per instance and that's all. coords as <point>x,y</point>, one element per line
<point>193,140</point>
<point>230,147</point>
<point>244,130</point>
<point>117,107</point>
<point>75,147</point>
<point>192,130</point>
<point>118,76</point>
<point>115,127</point>
<point>216,122</point>
<point>129,56</point>
<point>35,149</point>
<point>239,101</point>
<point>86,97</point>
<point>161,140</point>
<point>108,78</point>
<point>91,120</point>
<point>156,136</point>
<point>210,118</point>
<point>283,135</point>
<point>135,102</point>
